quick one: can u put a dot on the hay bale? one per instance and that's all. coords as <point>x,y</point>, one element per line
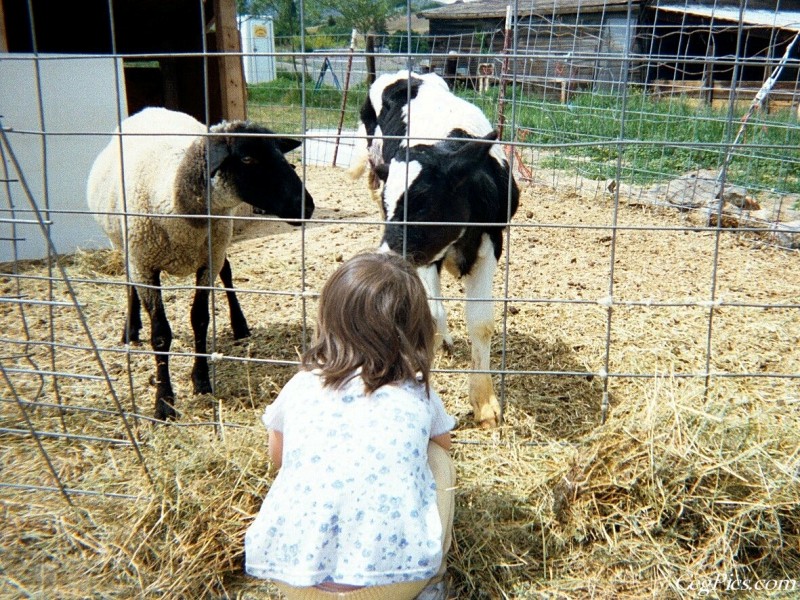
<point>673,490</point>
<point>675,487</point>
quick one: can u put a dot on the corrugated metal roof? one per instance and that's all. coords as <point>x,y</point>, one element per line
<point>775,19</point>
<point>489,9</point>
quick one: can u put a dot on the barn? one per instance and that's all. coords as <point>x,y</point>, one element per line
<point>161,45</point>
<point>76,73</point>
<point>578,44</point>
<point>555,43</point>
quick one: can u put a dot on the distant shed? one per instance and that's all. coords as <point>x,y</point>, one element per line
<point>698,48</point>
<point>679,45</point>
<point>559,43</point>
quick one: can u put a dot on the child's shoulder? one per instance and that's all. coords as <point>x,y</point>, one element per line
<point>303,379</point>
<point>408,386</point>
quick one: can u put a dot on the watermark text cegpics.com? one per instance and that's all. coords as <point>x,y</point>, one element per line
<point>720,583</point>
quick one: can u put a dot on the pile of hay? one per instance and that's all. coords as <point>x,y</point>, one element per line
<point>674,490</point>
<point>679,490</point>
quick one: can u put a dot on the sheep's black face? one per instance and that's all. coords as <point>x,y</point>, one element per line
<point>258,171</point>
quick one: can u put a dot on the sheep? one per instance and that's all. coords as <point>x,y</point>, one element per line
<point>154,204</point>
<point>440,167</point>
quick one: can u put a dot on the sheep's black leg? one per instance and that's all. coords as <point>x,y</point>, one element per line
<point>238,322</point>
<point>160,340</point>
<point>200,318</point>
<point>133,322</point>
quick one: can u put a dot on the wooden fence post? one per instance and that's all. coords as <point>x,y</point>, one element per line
<point>344,95</point>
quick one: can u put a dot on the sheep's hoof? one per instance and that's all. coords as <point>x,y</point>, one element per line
<point>203,387</point>
<point>241,333</point>
<point>130,337</point>
<point>165,409</point>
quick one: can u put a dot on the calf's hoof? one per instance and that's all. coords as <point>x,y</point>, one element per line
<point>444,343</point>
<point>486,408</point>
<point>487,422</point>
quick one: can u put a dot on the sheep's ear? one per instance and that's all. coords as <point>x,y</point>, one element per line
<point>218,151</point>
<point>287,144</point>
<point>463,162</point>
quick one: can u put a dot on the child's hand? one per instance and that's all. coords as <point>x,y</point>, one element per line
<point>444,440</point>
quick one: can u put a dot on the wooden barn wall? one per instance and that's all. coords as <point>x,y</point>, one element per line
<point>576,53</point>
<point>153,36</point>
<point>705,50</point>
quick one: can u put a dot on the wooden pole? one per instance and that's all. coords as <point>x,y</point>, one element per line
<point>501,100</point>
<point>344,95</point>
<point>233,92</point>
<point>757,102</point>
<point>3,34</point>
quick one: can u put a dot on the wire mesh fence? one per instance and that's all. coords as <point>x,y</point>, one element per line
<point>647,296</point>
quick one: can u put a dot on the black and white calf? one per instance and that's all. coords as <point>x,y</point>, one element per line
<point>448,195</point>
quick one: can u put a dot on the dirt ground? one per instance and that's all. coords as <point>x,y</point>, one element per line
<point>686,299</point>
<point>692,305</point>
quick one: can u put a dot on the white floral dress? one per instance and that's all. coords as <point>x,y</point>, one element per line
<point>354,501</point>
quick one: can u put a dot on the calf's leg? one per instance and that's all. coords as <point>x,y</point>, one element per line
<point>160,341</point>
<point>431,279</point>
<point>479,315</point>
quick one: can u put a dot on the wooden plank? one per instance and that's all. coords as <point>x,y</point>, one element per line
<point>3,35</point>
<point>231,68</point>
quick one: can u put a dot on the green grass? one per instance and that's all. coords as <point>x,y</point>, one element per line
<point>657,140</point>
<point>278,104</point>
<point>653,140</point>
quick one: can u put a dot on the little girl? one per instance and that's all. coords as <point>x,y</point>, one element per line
<point>362,506</point>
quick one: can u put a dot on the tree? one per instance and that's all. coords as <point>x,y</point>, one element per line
<point>368,17</point>
<point>284,12</point>
<point>257,8</point>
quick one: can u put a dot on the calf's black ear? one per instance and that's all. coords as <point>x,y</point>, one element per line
<point>382,171</point>
<point>459,165</point>
<point>287,144</point>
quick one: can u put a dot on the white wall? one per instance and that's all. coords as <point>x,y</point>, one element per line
<point>79,96</point>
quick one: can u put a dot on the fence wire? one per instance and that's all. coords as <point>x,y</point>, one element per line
<point>681,120</point>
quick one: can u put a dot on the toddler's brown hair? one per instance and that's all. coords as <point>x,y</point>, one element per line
<point>374,314</point>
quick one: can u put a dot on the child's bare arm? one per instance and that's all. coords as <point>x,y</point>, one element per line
<point>444,440</point>
<point>276,448</point>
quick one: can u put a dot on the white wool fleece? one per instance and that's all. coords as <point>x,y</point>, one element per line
<point>152,156</point>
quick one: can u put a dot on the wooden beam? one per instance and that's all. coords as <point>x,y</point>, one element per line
<point>231,68</point>
<point>3,35</point>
